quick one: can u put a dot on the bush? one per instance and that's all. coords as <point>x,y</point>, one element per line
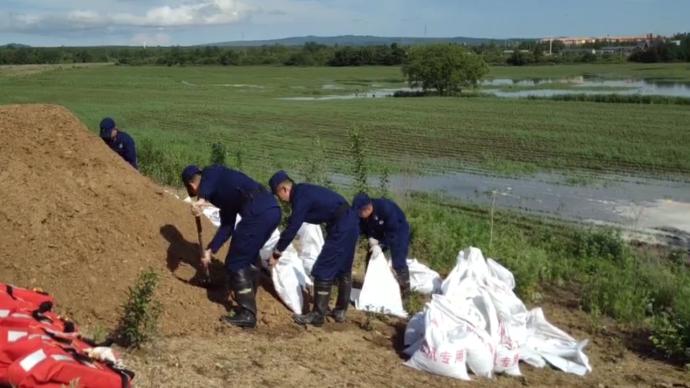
<point>671,336</point>
<point>603,244</point>
<point>162,166</point>
<point>140,312</point>
<point>218,153</point>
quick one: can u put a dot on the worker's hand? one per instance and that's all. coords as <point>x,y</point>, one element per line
<point>373,243</point>
<point>206,258</point>
<point>198,207</point>
<point>274,258</point>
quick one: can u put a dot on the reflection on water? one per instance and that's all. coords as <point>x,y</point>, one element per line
<point>614,200</point>
<point>585,85</point>
<point>538,87</point>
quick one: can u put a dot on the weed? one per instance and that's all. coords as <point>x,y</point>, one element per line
<point>218,153</point>
<point>359,165</point>
<point>384,182</point>
<point>140,312</point>
<point>315,170</point>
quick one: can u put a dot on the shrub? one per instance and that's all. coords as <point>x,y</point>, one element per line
<point>140,312</point>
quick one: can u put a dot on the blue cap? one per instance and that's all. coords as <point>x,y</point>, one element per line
<point>277,178</point>
<point>189,172</point>
<point>361,200</point>
<point>107,126</point>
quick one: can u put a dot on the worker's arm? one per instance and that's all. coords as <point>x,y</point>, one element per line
<point>299,213</point>
<point>396,232</point>
<point>131,152</point>
<point>227,225</point>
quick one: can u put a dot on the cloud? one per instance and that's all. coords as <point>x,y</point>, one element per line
<point>185,14</point>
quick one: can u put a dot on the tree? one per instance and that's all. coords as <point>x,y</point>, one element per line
<point>445,67</point>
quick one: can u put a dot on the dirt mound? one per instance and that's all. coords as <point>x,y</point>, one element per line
<point>79,222</point>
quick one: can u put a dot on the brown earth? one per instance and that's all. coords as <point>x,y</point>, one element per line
<point>79,222</point>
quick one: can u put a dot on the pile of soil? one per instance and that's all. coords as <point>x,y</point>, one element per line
<point>79,222</point>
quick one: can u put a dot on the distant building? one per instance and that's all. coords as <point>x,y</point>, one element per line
<point>570,40</point>
<point>620,39</point>
<point>578,51</point>
<point>617,50</point>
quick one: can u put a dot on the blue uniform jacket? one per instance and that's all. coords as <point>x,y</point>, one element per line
<point>388,225</point>
<point>231,191</point>
<point>312,204</point>
<point>124,146</point>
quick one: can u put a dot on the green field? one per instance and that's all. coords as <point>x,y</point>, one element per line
<point>184,109</point>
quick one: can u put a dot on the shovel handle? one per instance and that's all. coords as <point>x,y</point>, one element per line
<point>207,273</point>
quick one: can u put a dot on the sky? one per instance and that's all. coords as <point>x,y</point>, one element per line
<point>185,22</point>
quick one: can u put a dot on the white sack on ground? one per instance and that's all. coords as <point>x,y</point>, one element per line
<point>380,292</point>
<point>290,276</point>
<point>422,278</point>
<point>480,315</point>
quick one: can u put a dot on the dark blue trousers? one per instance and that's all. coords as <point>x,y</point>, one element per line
<point>338,250</point>
<point>257,224</point>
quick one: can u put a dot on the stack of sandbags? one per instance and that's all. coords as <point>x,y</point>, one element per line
<point>478,324</point>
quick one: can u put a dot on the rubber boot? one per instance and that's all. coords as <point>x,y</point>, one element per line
<point>343,301</point>
<point>242,284</point>
<point>322,294</point>
<point>403,275</point>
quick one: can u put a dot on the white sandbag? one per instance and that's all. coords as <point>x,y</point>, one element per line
<point>502,273</point>
<point>507,353</point>
<point>266,251</point>
<point>479,309</point>
<point>422,278</point>
<point>380,292</point>
<point>470,264</point>
<point>290,280</point>
<point>443,351</point>
<point>556,346</point>
<point>310,244</point>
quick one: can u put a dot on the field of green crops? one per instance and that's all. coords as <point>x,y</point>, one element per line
<point>181,110</point>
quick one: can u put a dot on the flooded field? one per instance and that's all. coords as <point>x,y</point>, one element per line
<point>521,88</point>
<point>652,207</point>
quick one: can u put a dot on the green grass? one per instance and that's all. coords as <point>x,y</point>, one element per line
<point>182,110</point>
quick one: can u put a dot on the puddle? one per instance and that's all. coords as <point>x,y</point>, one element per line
<point>253,86</point>
<point>376,93</point>
<point>547,87</point>
<point>646,205</point>
<point>585,85</point>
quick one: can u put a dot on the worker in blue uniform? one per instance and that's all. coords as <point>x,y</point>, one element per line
<point>385,224</point>
<point>119,141</point>
<point>235,193</point>
<point>318,205</point>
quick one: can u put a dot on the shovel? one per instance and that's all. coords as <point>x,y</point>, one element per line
<point>206,280</point>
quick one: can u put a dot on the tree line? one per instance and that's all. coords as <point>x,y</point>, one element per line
<point>310,54</point>
<point>525,52</point>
